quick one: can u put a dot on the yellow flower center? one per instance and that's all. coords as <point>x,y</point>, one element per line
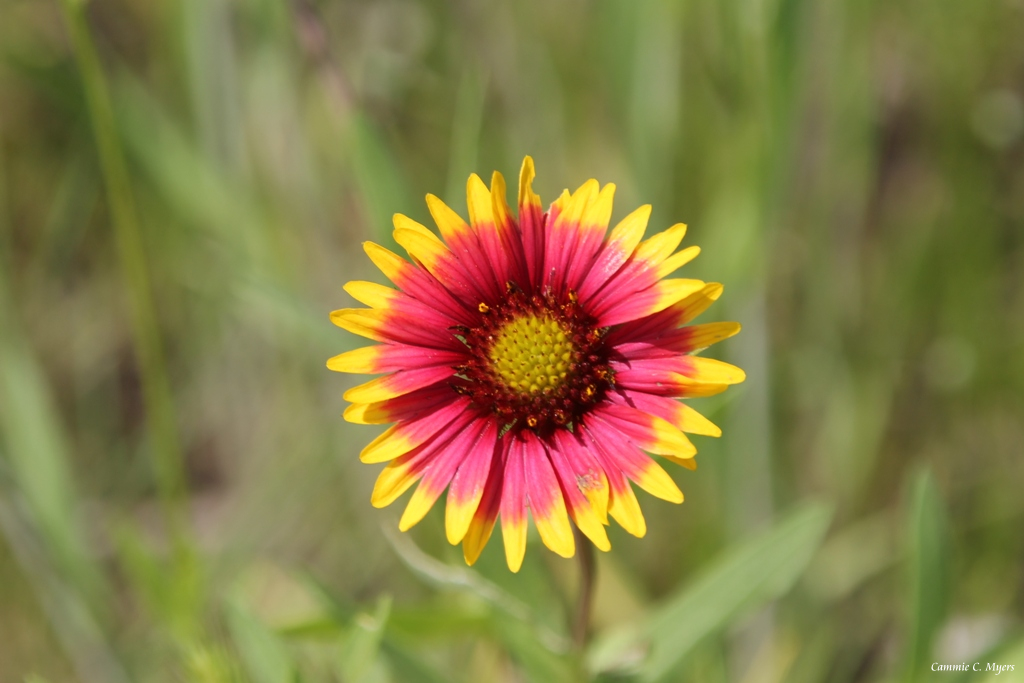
<point>536,362</point>
<point>532,354</point>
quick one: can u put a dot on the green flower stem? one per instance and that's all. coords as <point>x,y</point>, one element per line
<point>584,602</point>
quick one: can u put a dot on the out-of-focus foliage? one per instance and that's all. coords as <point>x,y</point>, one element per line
<point>183,189</point>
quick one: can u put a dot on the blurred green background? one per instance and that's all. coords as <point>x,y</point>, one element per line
<point>183,189</point>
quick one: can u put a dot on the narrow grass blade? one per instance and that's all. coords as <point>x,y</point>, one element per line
<point>465,144</point>
<point>744,578</point>
<point>383,185</point>
<point>928,565</point>
<point>34,443</point>
<point>162,423</point>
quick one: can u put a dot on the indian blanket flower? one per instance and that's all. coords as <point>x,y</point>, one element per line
<point>530,365</point>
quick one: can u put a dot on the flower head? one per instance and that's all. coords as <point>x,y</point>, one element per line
<point>531,364</point>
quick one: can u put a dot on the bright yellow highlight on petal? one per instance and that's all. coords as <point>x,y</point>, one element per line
<point>499,205</point>
<point>693,422</point>
<point>711,371</point>
<point>402,222</point>
<point>419,505</point>
<point>590,524</point>
<point>393,481</point>
<point>624,508</point>
<point>361,321</point>
<point>660,246</point>
<point>458,515</point>
<point>554,528</point>
<point>656,482</point>
<point>677,261</point>
<point>387,261</point>
<point>361,361</point>
<point>476,538</point>
<point>527,197</point>
<point>703,336</point>
<point>387,446</point>
<point>695,304</point>
<point>669,440</point>
<point>573,206</point>
<point>374,391</point>
<point>371,294</point>
<point>448,222</point>
<point>599,212</point>
<point>366,414</point>
<point>673,291</point>
<point>426,250</point>
<point>595,488</point>
<point>513,533</point>
<point>478,198</point>
<point>695,389</point>
<point>688,463</point>
<point>630,230</point>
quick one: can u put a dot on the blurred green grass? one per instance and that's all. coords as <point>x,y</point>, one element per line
<point>178,217</point>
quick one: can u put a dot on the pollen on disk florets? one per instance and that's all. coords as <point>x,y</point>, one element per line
<point>537,362</point>
<point>532,354</point>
